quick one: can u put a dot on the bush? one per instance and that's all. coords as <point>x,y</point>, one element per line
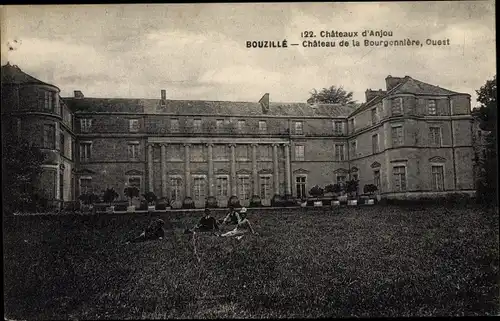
<point>211,202</point>
<point>188,203</point>
<point>279,201</point>
<point>131,192</point>
<point>150,197</point>
<point>110,195</point>
<point>457,198</point>
<point>88,198</point>
<point>233,202</point>
<point>316,191</point>
<point>255,201</point>
<point>370,189</point>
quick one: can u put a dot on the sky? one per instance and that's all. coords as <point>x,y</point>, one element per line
<point>198,51</point>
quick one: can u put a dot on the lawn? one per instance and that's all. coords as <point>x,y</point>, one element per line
<point>370,261</point>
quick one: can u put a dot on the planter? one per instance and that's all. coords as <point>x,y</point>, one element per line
<point>335,203</point>
<point>343,198</point>
<point>303,204</point>
<point>318,203</point>
<point>352,202</point>
<point>110,209</point>
<point>379,197</point>
<point>370,202</point>
<point>131,209</point>
<point>151,208</point>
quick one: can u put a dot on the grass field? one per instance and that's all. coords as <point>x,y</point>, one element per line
<point>372,261</point>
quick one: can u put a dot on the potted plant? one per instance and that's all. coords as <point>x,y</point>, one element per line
<point>88,199</point>
<point>131,192</point>
<point>370,189</point>
<point>109,196</point>
<point>335,190</point>
<point>188,203</point>
<point>211,202</point>
<point>233,202</point>
<point>162,204</point>
<point>316,192</point>
<point>351,189</point>
<point>255,201</point>
<point>151,199</point>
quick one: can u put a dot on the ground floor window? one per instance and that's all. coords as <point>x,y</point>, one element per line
<point>199,188</point>
<point>265,187</point>
<point>376,178</point>
<point>244,187</point>
<point>399,173</point>
<point>438,178</point>
<point>175,188</point>
<point>85,185</point>
<point>300,184</point>
<point>222,183</point>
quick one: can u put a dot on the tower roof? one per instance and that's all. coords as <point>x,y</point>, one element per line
<point>12,74</point>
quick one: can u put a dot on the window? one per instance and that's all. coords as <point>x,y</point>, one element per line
<point>85,151</point>
<point>437,178</point>
<point>262,126</point>
<point>174,125</point>
<point>299,127</point>
<point>197,125</point>
<point>339,152</point>
<point>265,187</point>
<point>397,136</point>
<point>374,116</point>
<point>49,101</point>
<point>133,151</point>
<point>431,107</point>
<point>221,152</point>
<point>70,148</point>
<point>337,127</point>
<point>399,178</point>
<point>397,106</point>
<point>62,143</point>
<point>49,136</point>
<point>175,188</point>
<point>85,125</point>
<point>300,184</point>
<point>299,152</point>
<point>375,143</point>
<point>265,152</point>
<point>85,185</point>
<point>242,152</point>
<point>197,153</point>
<point>435,136</point>
<point>134,181</point>
<point>351,125</point>
<point>353,149</point>
<point>241,126</point>
<point>376,178</point>
<point>219,124</point>
<point>244,187</point>
<point>199,188</point>
<point>133,125</point>
<point>222,184</point>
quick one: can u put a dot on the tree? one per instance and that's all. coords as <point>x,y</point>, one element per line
<point>352,186</point>
<point>131,192</point>
<point>21,169</point>
<point>316,191</point>
<point>370,189</point>
<point>332,95</point>
<point>488,182</point>
<point>110,195</point>
<point>150,197</point>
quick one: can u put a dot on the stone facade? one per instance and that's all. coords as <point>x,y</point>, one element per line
<point>411,139</point>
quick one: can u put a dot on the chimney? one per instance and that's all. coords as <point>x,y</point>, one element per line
<point>370,94</point>
<point>78,94</point>
<point>264,102</point>
<point>163,94</point>
<point>391,82</point>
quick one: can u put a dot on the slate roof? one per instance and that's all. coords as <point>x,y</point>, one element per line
<point>12,74</point>
<point>203,107</point>
<point>407,85</point>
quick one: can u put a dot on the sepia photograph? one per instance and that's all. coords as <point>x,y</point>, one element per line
<point>249,160</point>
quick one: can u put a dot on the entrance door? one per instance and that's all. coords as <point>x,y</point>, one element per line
<point>222,190</point>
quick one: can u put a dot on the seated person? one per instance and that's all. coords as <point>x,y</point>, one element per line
<point>233,217</point>
<point>243,226</point>
<point>206,224</point>
<point>154,231</point>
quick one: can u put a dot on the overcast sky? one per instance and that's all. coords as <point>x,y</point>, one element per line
<point>197,51</point>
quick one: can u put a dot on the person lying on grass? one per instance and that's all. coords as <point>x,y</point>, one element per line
<point>206,224</point>
<point>243,226</point>
<point>154,231</point>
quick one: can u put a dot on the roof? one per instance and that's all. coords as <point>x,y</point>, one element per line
<point>203,107</point>
<point>406,85</point>
<point>12,74</point>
